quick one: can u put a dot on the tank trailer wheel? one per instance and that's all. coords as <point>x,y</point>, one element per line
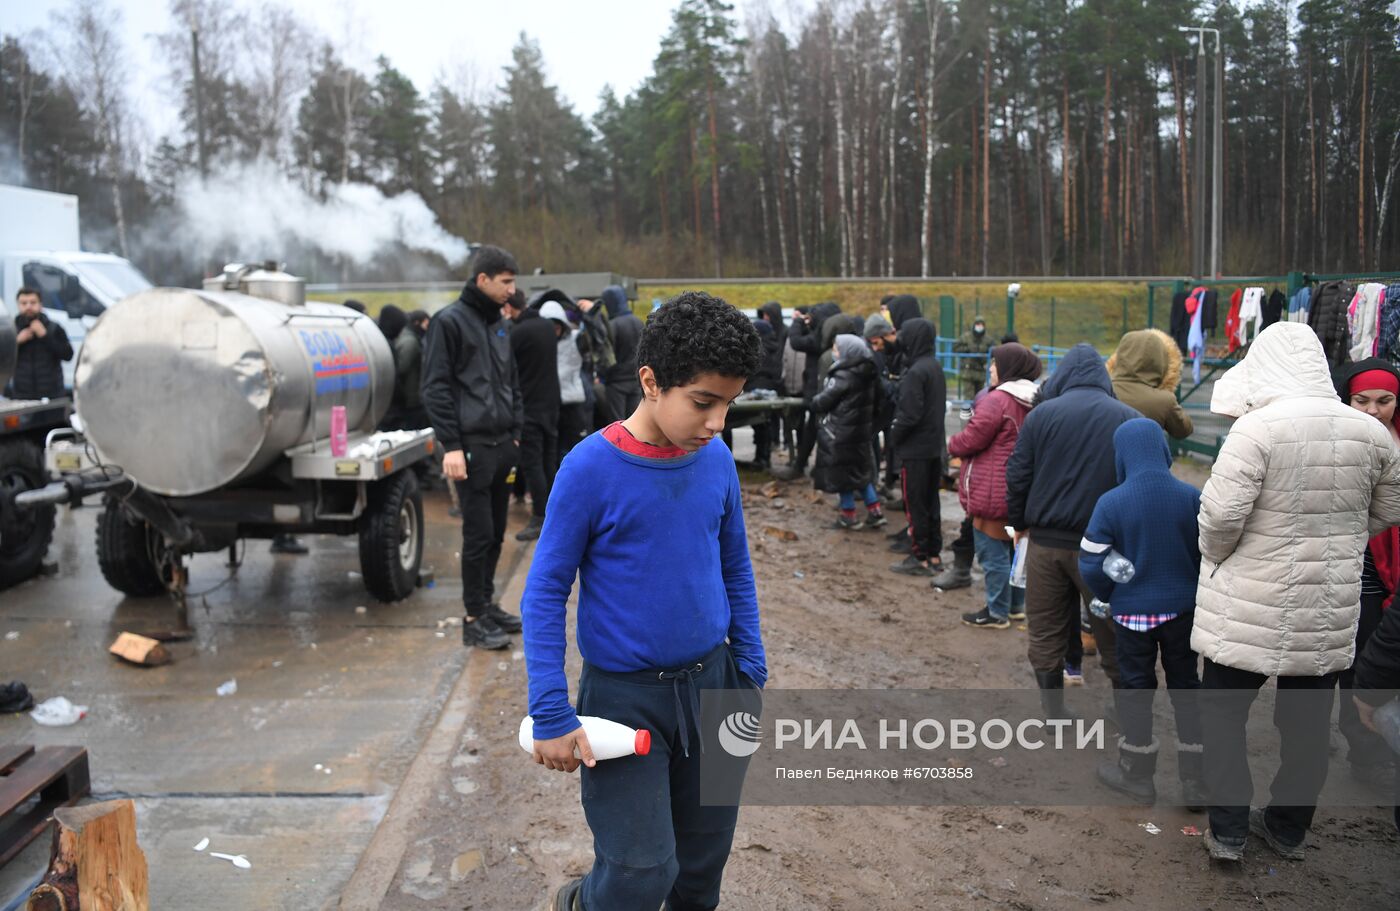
<point>24,533</point>
<point>391,537</point>
<point>127,552</point>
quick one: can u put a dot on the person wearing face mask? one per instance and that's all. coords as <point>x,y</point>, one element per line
<point>972,371</point>
<point>1372,386</point>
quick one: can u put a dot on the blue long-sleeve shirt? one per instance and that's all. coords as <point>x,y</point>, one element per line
<point>663,563</point>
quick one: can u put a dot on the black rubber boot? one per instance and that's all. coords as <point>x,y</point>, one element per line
<point>1052,695</point>
<point>1193,782</point>
<point>959,575</point>
<point>1132,774</point>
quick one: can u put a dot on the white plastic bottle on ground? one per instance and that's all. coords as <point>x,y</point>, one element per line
<point>608,739</point>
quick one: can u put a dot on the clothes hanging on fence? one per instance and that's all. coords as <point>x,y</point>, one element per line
<point>1388,343</point>
<point>1273,308</point>
<point>1299,304</point>
<point>1363,319</point>
<point>1328,318</point>
<point>1251,313</point>
<point>1209,302</point>
<point>1196,341</point>
<point>1180,320</point>
<point>1232,320</point>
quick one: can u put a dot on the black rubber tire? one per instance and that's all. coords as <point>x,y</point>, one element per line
<point>125,552</point>
<point>24,534</point>
<point>391,537</point>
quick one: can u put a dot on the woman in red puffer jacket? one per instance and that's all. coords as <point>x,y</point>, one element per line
<point>984,446</point>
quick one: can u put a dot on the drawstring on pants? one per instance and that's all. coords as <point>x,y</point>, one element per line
<point>686,676</point>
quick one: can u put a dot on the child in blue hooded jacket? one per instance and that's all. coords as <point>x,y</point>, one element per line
<point>1150,519</point>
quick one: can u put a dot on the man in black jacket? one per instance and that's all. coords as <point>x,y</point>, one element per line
<point>917,433</point>
<point>805,335</point>
<point>1062,464</point>
<point>534,344</point>
<point>43,347</point>
<point>624,388</point>
<point>1376,677</point>
<point>472,394</point>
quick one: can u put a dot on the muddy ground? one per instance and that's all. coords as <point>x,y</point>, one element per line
<point>500,833</point>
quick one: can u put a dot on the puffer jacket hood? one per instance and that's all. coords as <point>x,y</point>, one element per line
<point>1285,361</point>
<point>1341,377</point>
<point>1300,484</point>
<point>1147,356</point>
<point>851,350</point>
<point>1140,445</point>
<point>1081,366</point>
<point>615,299</point>
<point>904,307</point>
<point>917,338</point>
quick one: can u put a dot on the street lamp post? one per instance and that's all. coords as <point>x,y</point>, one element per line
<point>1217,154</point>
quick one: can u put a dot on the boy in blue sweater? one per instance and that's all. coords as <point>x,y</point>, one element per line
<point>647,513</point>
<point>1149,518</point>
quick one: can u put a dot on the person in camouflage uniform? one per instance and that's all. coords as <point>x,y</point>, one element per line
<point>972,371</point>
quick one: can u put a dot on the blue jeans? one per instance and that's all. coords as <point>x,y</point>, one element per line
<point>848,497</point>
<point>995,557</point>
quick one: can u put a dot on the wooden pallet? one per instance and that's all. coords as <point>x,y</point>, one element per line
<point>34,783</point>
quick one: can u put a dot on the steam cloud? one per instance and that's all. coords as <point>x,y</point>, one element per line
<point>257,207</point>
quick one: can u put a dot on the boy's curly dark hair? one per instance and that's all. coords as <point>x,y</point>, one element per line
<point>695,333</point>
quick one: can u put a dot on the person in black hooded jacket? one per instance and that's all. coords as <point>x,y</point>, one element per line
<point>805,336</point>
<point>771,314</point>
<point>392,322</point>
<point>847,406</point>
<point>535,346</point>
<point>902,307</point>
<point>1063,462</point>
<point>472,393</point>
<point>917,434</point>
<point>1376,677</point>
<point>624,388</point>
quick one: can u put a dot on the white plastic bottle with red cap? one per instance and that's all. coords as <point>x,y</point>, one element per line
<point>608,739</point>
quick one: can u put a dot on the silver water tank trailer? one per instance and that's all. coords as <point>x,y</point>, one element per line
<point>189,391</point>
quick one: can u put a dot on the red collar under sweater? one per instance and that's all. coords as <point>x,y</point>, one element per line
<point>618,435</point>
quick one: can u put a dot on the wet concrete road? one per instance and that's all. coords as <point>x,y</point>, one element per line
<point>319,683</point>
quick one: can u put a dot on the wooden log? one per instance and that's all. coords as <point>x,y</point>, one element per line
<point>140,650</point>
<point>96,863</point>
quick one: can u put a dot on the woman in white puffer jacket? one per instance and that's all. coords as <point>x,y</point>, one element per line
<point>1301,484</point>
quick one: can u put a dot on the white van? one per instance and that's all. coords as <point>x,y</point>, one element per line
<point>76,288</point>
<point>39,248</point>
